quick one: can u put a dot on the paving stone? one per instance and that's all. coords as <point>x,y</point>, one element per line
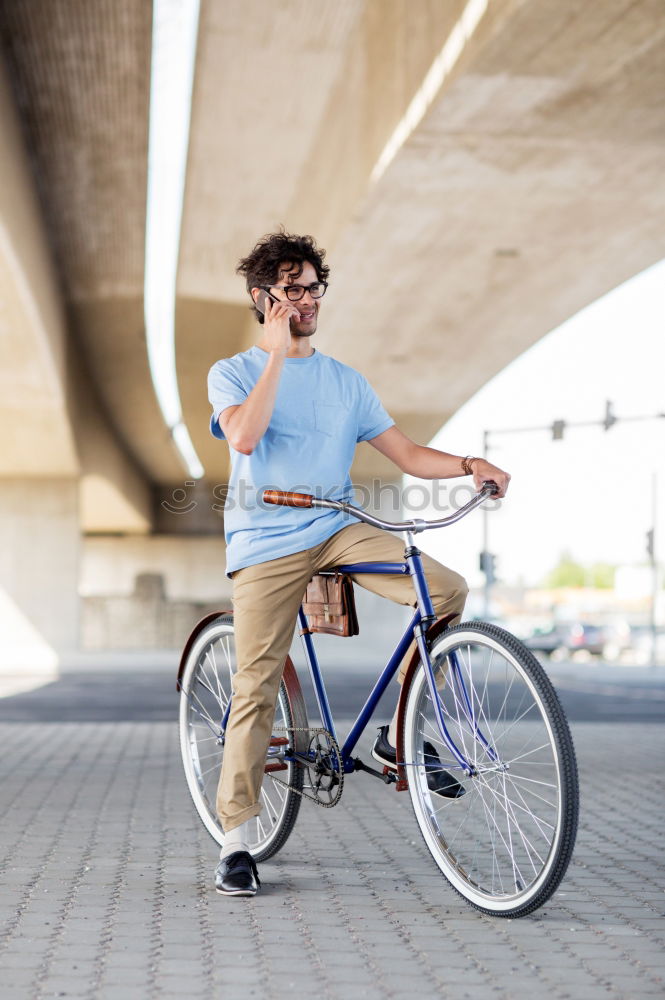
<point>12,976</point>
<point>122,993</point>
<point>352,906</point>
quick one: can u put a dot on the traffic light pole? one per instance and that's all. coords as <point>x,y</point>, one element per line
<point>651,551</point>
<point>557,429</point>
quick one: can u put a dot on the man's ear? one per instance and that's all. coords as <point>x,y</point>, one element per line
<point>255,293</point>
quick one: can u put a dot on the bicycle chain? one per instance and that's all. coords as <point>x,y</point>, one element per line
<point>334,747</point>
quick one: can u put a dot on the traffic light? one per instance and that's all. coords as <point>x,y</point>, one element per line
<point>609,416</point>
<point>487,563</point>
<point>557,430</point>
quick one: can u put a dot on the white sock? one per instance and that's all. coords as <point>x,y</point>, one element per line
<point>392,730</point>
<point>236,840</point>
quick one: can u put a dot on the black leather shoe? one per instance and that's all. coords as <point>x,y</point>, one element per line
<point>383,751</point>
<point>438,781</point>
<point>236,875</point>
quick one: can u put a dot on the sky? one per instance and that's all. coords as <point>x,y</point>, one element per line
<point>589,494</point>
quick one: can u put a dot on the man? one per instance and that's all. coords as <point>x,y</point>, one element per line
<point>292,418</point>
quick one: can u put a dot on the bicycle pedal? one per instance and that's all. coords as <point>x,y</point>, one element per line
<point>401,784</point>
<point>276,765</point>
<point>279,741</point>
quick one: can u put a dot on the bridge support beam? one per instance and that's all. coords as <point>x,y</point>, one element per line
<point>39,571</point>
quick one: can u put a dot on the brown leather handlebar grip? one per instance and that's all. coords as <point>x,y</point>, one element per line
<point>288,499</point>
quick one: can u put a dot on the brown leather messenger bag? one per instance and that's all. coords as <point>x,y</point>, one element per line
<point>330,605</point>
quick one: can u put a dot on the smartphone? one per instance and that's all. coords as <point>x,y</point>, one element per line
<point>261,301</point>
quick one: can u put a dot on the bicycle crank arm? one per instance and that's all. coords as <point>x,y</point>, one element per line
<point>389,777</point>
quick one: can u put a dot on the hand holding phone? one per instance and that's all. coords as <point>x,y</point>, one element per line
<point>261,300</point>
<point>276,328</point>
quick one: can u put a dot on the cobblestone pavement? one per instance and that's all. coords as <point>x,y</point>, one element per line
<point>107,890</point>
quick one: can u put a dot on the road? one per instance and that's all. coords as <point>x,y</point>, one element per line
<point>589,693</point>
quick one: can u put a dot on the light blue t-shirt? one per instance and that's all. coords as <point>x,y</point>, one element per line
<point>323,409</point>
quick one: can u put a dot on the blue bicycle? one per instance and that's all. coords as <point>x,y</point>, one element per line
<point>474,702</point>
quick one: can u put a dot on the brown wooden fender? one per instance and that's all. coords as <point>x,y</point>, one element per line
<point>433,632</point>
<point>193,636</point>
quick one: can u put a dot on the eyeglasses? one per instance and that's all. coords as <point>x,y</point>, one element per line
<point>294,292</point>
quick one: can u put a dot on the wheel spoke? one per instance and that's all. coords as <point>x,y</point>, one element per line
<point>208,770</point>
<point>266,798</point>
<point>508,805</point>
<point>508,844</point>
<point>538,821</point>
<point>484,718</point>
<point>279,789</point>
<point>483,715</point>
<point>205,756</point>
<point>521,751</point>
<point>535,781</point>
<point>209,676</point>
<point>496,867</point>
<point>223,697</point>
<point>532,793</point>
<point>515,721</point>
<point>203,713</point>
<point>460,727</point>
<point>467,815</point>
<point>493,830</point>
<point>521,757</point>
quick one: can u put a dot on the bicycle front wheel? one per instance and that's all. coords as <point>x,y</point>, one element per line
<point>505,844</point>
<point>204,697</point>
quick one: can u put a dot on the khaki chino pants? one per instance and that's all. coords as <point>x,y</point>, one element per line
<point>266,598</point>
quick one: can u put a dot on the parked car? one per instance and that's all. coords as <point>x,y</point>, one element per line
<point>568,639</point>
<point>590,638</point>
<point>546,641</point>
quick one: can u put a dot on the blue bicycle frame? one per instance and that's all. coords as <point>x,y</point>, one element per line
<point>417,627</point>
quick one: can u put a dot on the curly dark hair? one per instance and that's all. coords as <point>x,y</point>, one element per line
<point>262,266</point>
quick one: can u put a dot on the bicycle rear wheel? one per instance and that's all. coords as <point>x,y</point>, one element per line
<point>505,844</point>
<point>204,697</point>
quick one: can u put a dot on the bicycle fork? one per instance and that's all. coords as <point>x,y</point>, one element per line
<point>427,616</point>
<point>462,699</point>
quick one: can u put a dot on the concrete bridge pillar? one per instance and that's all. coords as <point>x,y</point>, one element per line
<point>39,570</point>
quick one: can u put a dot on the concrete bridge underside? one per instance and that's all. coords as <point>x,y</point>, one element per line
<point>531,185</point>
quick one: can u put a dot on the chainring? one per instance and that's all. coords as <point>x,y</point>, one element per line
<point>322,763</point>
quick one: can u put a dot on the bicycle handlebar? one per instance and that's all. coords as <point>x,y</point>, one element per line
<point>286,499</point>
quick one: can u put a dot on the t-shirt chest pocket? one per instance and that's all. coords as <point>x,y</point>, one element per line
<point>292,422</point>
<point>329,417</point>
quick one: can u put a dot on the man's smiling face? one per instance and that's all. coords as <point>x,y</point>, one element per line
<point>308,307</point>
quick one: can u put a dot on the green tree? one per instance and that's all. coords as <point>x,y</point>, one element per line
<point>567,573</point>
<point>602,576</point>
